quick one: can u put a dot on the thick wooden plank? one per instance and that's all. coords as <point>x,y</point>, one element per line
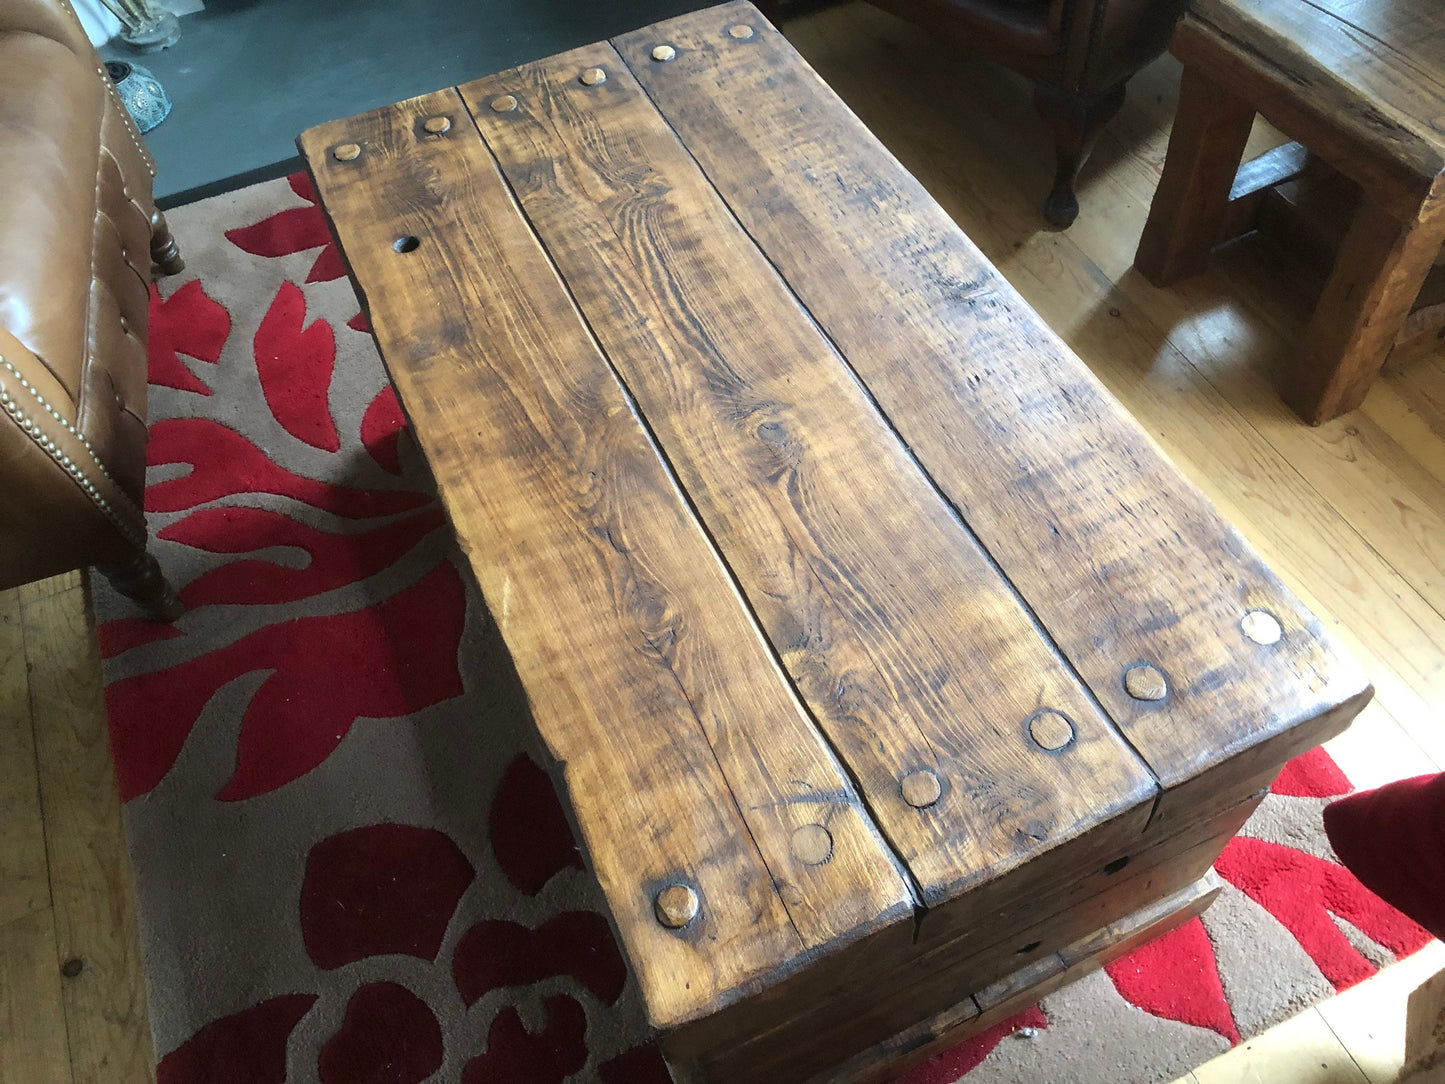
<point>906,644</point>
<point>1122,560</point>
<point>32,1012</point>
<point>95,920</point>
<point>648,680</point>
<point>1187,216</point>
<point>1376,278</point>
<point>24,882</point>
<point>1309,75</point>
<point>887,1060</point>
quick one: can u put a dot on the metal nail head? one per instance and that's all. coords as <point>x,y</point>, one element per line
<point>504,103</point>
<point>347,152</point>
<point>663,52</point>
<point>1144,682</point>
<point>812,844</point>
<point>920,788</point>
<point>675,906</point>
<point>742,31</point>
<point>437,125</point>
<point>592,76</point>
<point>1262,627</point>
<point>1051,730</point>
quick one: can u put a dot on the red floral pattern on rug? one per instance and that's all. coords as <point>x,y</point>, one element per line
<point>329,624</point>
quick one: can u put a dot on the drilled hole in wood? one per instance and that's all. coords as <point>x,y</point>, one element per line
<point>1029,947</point>
<point>1116,865</point>
<point>406,243</point>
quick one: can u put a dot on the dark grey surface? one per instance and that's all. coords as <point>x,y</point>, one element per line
<point>247,76</point>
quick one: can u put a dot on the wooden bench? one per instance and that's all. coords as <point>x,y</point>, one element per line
<point>893,675</point>
<point>1360,84</point>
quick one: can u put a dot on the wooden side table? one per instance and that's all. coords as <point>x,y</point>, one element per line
<point>1362,86</point>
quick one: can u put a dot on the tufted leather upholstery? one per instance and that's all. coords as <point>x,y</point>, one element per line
<point>77,226</point>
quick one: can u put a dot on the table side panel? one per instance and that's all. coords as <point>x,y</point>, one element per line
<point>906,644</point>
<point>685,753</point>
<point>1122,560</point>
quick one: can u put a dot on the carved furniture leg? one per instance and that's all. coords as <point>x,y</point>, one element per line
<point>140,579</point>
<point>165,253</point>
<point>1075,121</point>
<point>1206,144</point>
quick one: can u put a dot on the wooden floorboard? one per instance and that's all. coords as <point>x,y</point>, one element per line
<point>1350,514</point>
<point>96,941</point>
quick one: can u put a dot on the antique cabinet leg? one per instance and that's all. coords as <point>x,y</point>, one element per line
<point>1074,120</point>
<point>140,579</point>
<point>1206,144</point>
<point>165,253</point>
<point>1376,278</point>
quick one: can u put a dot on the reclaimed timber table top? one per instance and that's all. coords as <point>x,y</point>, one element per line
<point>842,592</point>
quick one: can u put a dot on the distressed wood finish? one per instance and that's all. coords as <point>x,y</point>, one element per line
<point>822,561</point>
<point>685,755</point>
<point>1119,557</point>
<point>918,661</point>
<point>1362,85</point>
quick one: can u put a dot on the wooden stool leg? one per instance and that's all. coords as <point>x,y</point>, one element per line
<point>1206,144</point>
<point>165,253</point>
<point>1377,276</point>
<point>140,579</point>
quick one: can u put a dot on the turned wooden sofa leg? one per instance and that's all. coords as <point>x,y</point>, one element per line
<point>140,579</point>
<point>165,253</point>
<point>1074,120</point>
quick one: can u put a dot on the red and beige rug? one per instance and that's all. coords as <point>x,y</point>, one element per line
<point>349,865</point>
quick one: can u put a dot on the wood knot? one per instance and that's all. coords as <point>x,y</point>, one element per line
<point>1143,681</point>
<point>675,906</point>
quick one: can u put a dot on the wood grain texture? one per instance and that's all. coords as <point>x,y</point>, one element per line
<point>1119,557</point>
<point>1371,103</point>
<point>24,880</point>
<point>995,1003</point>
<point>94,910</point>
<point>1376,277</point>
<point>684,753</point>
<point>32,1012</point>
<point>912,653</point>
<point>1187,216</point>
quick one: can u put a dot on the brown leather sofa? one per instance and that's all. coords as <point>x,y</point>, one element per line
<point>1080,54</point>
<point>78,234</point>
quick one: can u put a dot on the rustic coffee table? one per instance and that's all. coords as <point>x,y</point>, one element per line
<point>893,674</point>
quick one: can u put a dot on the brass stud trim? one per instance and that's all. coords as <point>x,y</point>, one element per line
<point>663,53</point>
<point>592,77</point>
<point>126,525</point>
<point>346,152</point>
<point>503,103</point>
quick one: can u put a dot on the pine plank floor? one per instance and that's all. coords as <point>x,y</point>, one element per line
<point>1351,514</point>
